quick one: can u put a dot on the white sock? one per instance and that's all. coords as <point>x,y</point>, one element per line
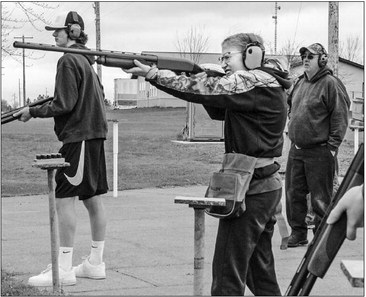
<point>96,254</point>
<point>65,258</point>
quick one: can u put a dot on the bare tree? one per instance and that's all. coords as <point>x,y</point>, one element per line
<point>350,49</point>
<point>26,14</point>
<point>290,51</point>
<point>193,44</point>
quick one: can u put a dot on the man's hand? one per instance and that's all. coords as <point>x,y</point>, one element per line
<point>23,114</point>
<point>352,204</point>
<point>140,69</point>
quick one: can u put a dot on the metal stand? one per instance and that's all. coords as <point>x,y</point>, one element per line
<point>199,205</point>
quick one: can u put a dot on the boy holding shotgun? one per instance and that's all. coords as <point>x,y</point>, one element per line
<point>80,124</point>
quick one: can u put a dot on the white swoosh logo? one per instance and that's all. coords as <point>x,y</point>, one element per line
<point>78,177</point>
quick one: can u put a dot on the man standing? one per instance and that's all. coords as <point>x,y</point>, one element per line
<point>80,124</point>
<point>318,119</point>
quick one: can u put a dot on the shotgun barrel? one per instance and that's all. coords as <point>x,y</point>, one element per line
<point>120,59</point>
<point>8,116</point>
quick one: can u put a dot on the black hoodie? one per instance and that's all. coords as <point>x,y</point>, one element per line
<point>252,103</point>
<point>318,111</point>
<point>78,106</point>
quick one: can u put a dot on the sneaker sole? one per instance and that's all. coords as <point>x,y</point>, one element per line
<point>68,283</point>
<point>92,277</point>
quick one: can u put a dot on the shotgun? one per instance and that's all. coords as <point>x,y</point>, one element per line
<point>122,59</point>
<point>7,117</point>
<point>329,238</point>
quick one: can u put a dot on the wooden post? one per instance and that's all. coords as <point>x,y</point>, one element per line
<point>53,231</point>
<point>199,250</point>
<point>199,205</point>
<point>115,157</point>
<point>50,162</point>
<point>333,37</point>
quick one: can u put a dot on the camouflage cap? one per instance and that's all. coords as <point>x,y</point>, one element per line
<point>315,49</point>
<point>71,18</point>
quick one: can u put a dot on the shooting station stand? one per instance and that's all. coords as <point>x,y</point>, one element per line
<point>50,162</point>
<point>199,205</point>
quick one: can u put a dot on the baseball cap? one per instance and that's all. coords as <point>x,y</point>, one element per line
<point>61,23</point>
<point>315,49</point>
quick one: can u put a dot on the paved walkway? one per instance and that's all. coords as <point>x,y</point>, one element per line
<point>149,246</point>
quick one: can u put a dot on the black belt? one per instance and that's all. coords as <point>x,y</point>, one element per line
<point>310,147</point>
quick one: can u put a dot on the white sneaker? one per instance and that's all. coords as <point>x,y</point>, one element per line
<point>44,279</point>
<point>88,270</point>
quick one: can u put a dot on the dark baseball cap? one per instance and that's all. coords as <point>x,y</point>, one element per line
<point>72,18</point>
<point>315,49</point>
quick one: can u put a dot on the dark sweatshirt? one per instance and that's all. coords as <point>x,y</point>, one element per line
<point>78,106</point>
<point>252,103</point>
<point>318,111</point>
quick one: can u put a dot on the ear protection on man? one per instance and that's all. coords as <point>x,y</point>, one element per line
<point>323,58</point>
<point>74,28</point>
<point>253,54</point>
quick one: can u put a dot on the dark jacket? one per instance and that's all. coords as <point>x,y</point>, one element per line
<point>78,106</point>
<point>318,111</point>
<point>252,103</point>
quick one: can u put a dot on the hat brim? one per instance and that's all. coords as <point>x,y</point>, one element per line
<point>304,49</point>
<point>48,28</point>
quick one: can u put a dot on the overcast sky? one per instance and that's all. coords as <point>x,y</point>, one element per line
<point>156,26</point>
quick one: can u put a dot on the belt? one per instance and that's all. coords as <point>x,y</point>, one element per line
<point>310,147</point>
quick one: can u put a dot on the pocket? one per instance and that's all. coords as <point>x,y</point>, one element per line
<point>232,187</point>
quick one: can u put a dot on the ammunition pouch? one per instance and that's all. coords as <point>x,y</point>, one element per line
<point>231,183</point>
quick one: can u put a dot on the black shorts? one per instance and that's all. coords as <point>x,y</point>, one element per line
<point>87,175</point>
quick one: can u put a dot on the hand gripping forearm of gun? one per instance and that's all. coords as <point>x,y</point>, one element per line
<point>122,59</point>
<point>12,115</point>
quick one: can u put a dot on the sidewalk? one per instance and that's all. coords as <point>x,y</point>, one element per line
<point>149,246</point>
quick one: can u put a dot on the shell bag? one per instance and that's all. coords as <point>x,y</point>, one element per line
<point>231,182</point>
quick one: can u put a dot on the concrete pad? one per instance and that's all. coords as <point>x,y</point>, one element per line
<point>149,246</point>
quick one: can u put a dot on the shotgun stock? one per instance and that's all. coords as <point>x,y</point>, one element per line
<point>329,238</point>
<point>8,116</point>
<point>122,59</point>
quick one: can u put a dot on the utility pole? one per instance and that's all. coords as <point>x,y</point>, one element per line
<point>24,95</point>
<point>97,27</point>
<point>275,18</point>
<point>333,37</point>
<point>20,97</point>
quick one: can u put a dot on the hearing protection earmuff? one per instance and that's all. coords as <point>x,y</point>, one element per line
<point>323,58</point>
<point>253,54</point>
<point>74,29</point>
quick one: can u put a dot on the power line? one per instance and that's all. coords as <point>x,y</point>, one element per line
<point>297,21</point>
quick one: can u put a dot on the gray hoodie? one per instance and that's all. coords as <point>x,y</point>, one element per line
<point>318,111</point>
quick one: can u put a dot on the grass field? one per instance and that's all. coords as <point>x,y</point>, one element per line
<point>147,156</point>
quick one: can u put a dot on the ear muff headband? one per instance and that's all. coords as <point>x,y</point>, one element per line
<point>323,58</point>
<point>74,29</point>
<point>253,54</point>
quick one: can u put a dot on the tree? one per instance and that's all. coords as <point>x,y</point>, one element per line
<point>290,51</point>
<point>15,15</point>
<point>193,44</point>
<point>350,49</point>
<point>5,106</point>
